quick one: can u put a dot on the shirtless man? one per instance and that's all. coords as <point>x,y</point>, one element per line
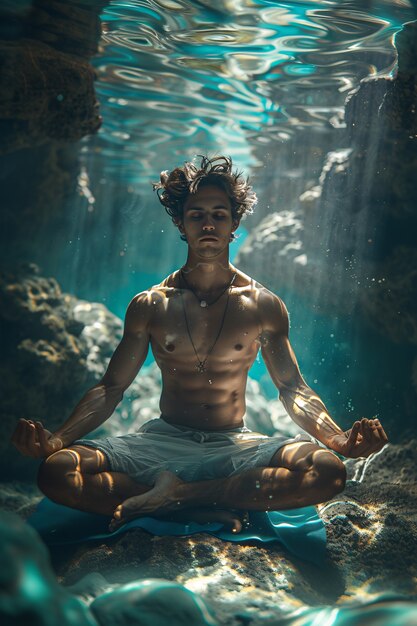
<point>205,324</point>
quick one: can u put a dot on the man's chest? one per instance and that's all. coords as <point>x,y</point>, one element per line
<point>229,329</point>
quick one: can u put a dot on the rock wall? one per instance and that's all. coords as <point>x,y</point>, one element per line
<point>47,106</point>
<point>349,250</point>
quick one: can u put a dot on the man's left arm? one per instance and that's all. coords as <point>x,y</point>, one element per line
<point>303,404</point>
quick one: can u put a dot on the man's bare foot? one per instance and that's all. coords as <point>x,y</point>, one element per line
<point>160,499</point>
<point>233,521</point>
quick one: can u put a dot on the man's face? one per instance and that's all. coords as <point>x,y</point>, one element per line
<point>207,221</point>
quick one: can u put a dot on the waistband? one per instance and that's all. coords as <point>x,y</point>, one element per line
<point>182,428</point>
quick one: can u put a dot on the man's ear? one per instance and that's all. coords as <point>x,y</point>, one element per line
<point>235,225</point>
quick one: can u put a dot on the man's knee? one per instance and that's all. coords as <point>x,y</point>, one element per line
<point>329,471</point>
<point>56,475</point>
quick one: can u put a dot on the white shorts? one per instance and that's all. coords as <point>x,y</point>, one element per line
<point>190,453</point>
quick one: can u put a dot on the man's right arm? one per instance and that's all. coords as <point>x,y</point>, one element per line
<point>98,404</point>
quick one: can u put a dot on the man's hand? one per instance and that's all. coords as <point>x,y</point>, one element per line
<point>32,439</point>
<point>363,439</point>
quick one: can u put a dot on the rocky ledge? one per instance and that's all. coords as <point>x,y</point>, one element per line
<point>371,543</point>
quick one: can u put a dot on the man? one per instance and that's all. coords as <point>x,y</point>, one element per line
<point>205,324</point>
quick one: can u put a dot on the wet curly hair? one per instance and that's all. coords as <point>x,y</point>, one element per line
<point>182,181</point>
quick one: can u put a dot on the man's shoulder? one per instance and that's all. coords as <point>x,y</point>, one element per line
<point>156,294</point>
<point>271,309</point>
<point>264,296</point>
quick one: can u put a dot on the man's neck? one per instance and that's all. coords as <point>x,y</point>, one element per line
<point>206,275</point>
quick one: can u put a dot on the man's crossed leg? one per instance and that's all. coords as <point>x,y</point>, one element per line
<point>299,474</point>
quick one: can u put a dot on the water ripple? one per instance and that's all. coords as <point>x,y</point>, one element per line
<point>193,76</point>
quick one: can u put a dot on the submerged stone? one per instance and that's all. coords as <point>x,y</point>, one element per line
<point>29,592</point>
<point>153,602</point>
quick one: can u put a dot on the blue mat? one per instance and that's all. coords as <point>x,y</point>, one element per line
<point>301,530</point>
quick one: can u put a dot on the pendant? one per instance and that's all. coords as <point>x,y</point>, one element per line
<point>201,367</point>
<point>203,303</point>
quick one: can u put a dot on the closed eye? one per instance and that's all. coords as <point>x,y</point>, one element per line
<point>217,216</point>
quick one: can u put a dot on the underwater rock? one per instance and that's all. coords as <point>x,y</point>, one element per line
<point>73,27</point>
<point>390,302</point>
<point>58,41</point>
<point>355,216</point>
<point>65,109</point>
<point>54,348</point>
<point>46,108</point>
<point>19,497</point>
<point>356,240</point>
<point>152,602</point>
<point>282,234</point>
<point>386,611</point>
<point>371,542</point>
<point>30,593</point>
<point>44,365</point>
<point>230,578</point>
<point>372,526</point>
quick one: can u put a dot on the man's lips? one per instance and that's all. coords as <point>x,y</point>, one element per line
<point>208,238</point>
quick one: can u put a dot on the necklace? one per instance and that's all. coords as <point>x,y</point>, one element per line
<point>203,303</point>
<point>201,364</point>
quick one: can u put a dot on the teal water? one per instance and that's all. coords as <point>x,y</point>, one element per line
<point>180,77</point>
<point>244,78</point>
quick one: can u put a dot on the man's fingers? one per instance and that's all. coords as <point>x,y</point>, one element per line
<point>379,434</point>
<point>376,436</point>
<point>31,440</point>
<point>353,434</point>
<point>28,435</point>
<point>366,430</point>
<point>382,432</point>
<point>43,441</point>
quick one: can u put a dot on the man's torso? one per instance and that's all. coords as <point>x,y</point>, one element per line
<point>212,399</point>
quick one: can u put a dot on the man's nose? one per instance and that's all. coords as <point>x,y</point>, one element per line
<point>208,226</point>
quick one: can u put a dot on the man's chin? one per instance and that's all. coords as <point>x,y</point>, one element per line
<point>210,253</point>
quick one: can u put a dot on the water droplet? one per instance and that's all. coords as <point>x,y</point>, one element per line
<point>258,484</point>
<point>270,497</point>
<point>210,382</point>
